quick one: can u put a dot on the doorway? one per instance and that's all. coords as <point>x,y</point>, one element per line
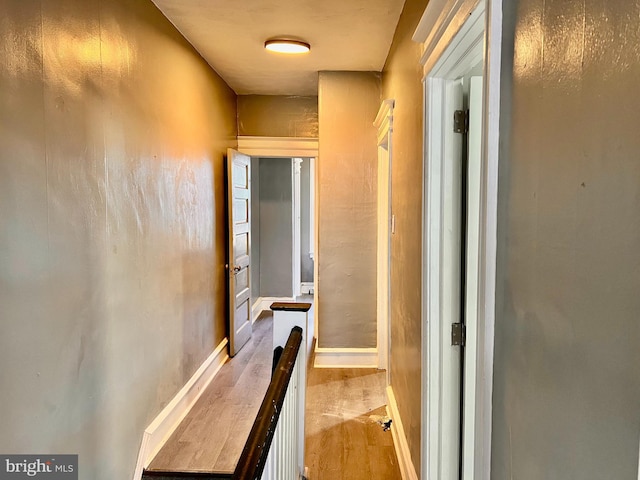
<point>454,112</point>
<point>290,147</point>
<point>384,125</point>
<point>280,247</point>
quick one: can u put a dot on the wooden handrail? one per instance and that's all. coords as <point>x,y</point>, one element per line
<point>254,455</point>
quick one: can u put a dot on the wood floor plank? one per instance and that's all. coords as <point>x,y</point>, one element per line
<point>343,437</point>
<point>212,435</point>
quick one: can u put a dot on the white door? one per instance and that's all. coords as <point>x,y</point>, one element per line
<point>451,356</point>
<point>239,245</point>
<point>472,255</point>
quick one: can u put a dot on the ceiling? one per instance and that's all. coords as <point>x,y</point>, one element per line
<point>230,35</point>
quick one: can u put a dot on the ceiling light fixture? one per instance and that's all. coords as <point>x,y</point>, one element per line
<point>287,46</point>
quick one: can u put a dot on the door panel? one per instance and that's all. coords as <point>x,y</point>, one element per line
<point>241,247</point>
<point>240,210</point>
<point>242,279</point>
<point>239,201</point>
<point>472,255</point>
<point>451,291</point>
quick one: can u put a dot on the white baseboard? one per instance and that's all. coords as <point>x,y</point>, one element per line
<point>405,463</point>
<point>264,303</point>
<point>170,417</point>
<point>346,358</point>
<point>267,301</point>
<point>306,288</point>
<point>256,309</point>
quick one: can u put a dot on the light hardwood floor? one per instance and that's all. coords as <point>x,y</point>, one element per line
<point>213,434</point>
<point>343,439</point>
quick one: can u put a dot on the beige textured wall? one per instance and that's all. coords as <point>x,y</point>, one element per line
<point>566,391</point>
<point>346,194</point>
<point>401,81</point>
<point>112,282</point>
<point>278,116</point>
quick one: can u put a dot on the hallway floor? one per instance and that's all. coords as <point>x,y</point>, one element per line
<point>343,437</point>
<point>213,434</point>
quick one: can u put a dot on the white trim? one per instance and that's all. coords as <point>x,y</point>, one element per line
<point>316,243</point>
<point>439,24</point>
<point>278,146</point>
<point>256,309</point>
<point>312,207</point>
<point>262,304</point>
<point>267,301</point>
<point>438,29</point>
<point>284,147</point>
<point>159,431</point>
<point>384,126</point>
<point>407,469</point>
<point>430,300</point>
<point>384,120</point>
<point>306,288</point>
<point>462,53</point>
<point>472,254</point>
<point>346,358</point>
<point>296,261</point>
<point>488,239</point>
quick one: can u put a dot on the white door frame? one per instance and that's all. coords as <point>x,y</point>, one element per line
<point>384,125</point>
<point>452,32</point>
<point>296,265</point>
<point>288,147</point>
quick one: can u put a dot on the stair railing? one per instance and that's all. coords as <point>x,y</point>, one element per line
<point>275,447</point>
<point>272,449</point>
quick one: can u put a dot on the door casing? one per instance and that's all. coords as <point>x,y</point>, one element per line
<point>289,147</point>
<point>456,35</point>
<point>384,124</point>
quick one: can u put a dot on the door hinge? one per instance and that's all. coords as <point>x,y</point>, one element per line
<point>461,121</point>
<point>458,334</point>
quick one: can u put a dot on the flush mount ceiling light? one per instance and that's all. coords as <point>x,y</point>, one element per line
<point>287,46</point>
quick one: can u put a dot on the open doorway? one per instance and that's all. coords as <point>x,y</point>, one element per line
<point>292,147</point>
<point>281,246</point>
